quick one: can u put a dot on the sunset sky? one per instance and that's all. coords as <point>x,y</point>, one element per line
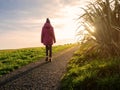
<point>21,21</point>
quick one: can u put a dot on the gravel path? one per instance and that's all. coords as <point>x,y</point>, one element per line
<point>40,75</point>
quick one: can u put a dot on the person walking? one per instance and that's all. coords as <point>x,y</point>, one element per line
<point>48,39</point>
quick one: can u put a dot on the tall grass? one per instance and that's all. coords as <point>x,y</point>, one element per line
<point>96,65</point>
<point>101,19</point>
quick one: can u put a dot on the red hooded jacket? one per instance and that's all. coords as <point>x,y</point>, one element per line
<point>47,35</point>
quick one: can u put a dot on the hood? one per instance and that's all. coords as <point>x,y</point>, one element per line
<point>47,25</point>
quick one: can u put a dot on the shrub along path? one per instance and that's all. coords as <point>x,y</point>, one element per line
<point>40,75</point>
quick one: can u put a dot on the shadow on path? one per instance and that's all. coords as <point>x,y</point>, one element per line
<point>21,74</point>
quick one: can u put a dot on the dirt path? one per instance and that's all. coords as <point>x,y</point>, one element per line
<point>39,75</point>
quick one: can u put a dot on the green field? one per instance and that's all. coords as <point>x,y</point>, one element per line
<point>15,58</point>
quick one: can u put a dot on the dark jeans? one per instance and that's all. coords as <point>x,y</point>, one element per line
<point>49,50</point>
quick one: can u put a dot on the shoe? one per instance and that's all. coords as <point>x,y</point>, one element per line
<point>50,59</point>
<point>46,59</point>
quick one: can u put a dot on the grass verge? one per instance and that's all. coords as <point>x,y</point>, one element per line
<point>91,72</point>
